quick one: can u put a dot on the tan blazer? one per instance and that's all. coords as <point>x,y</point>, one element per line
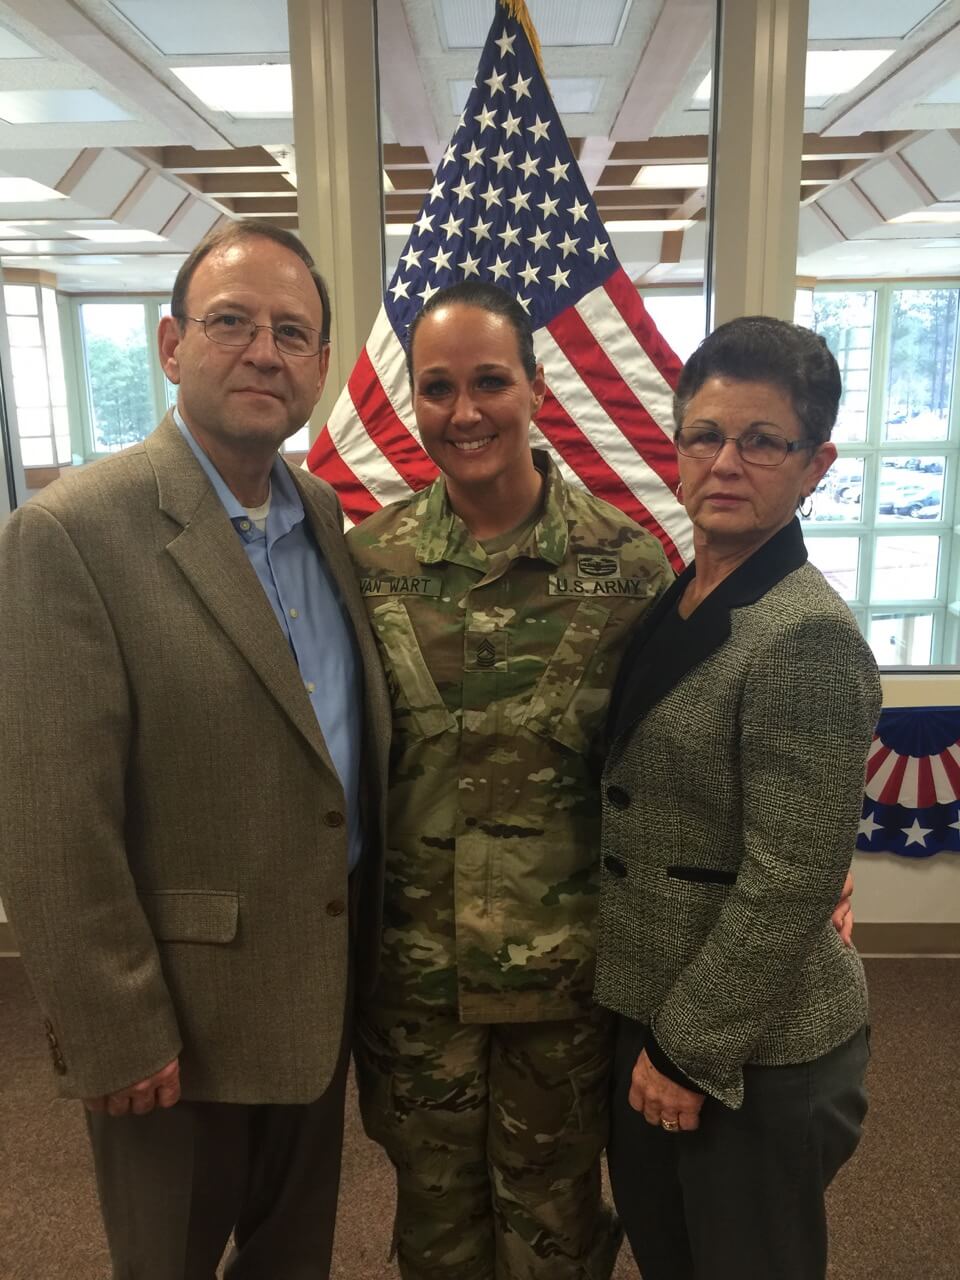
<point>173,851</point>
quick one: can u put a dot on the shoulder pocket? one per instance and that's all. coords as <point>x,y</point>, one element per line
<point>192,915</point>
<point>565,705</point>
<point>398,640</point>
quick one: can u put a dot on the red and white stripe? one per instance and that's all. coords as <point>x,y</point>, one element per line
<point>607,417</point>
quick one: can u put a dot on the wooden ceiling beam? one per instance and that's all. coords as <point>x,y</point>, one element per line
<point>396,156</point>
<point>254,206</point>
<point>237,159</point>
<point>678,35</point>
<point>239,184</point>
<point>411,179</point>
<point>684,149</point>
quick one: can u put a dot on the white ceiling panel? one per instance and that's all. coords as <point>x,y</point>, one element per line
<point>892,188</point>
<point>59,106</point>
<point>948,93</point>
<point>866,19</point>
<point>850,210</point>
<point>935,158</point>
<point>464,23</point>
<point>12,46</point>
<point>183,27</point>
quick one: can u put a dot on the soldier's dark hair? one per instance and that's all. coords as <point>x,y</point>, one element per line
<point>764,349</point>
<point>233,233</point>
<point>486,297</point>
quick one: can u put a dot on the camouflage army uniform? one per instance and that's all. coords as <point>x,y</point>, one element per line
<point>482,1060</point>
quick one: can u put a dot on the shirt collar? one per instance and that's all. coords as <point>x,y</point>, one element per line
<point>444,536</point>
<point>286,506</point>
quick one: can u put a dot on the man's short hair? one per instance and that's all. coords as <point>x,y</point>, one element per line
<point>233,233</point>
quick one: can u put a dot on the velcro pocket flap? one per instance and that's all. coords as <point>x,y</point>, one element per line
<point>428,712</point>
<point>554,711</point>
<point>192,915</point>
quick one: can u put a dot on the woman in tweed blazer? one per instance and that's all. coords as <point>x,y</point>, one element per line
<point>738,736</point>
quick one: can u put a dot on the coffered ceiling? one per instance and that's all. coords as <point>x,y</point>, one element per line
<point>143,122</point>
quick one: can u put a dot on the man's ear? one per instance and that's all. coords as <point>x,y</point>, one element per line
<point>323,369</point>
<point>169,337</point>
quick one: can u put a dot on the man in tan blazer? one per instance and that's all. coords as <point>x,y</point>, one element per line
<point>194,729</point>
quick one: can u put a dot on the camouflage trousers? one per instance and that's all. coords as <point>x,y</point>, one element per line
<point>496,1133</point>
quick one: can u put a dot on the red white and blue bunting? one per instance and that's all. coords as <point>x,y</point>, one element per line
<point>911,804</point>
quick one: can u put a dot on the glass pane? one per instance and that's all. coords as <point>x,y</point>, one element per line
<point>63,450</point>
<point>923,339</point>
<point>61,420</point>
<point>37,453</point>
<point>846,322</point>
<point>681,318</point>
<point>33,421</point>
<point>910,489</point>
<point>118,373</point>
<point>905,568</point>
<point>24,331</point>
<point>803,308</point>
<point>837,496</point>
<point>838,560</point>
<point>299,442</point>
<point>902,640</point>
<point>51,334</point>
<point>20,299</point>
<point>29,376</point>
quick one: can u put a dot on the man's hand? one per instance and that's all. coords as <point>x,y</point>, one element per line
<point>661,1100</point>
<point>159,1090</point>
<point>843,912</point>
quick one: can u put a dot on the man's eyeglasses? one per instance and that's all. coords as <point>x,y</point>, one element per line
<point>231,330</point>
<point>759,448</point>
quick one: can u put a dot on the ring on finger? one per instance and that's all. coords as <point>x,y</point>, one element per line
<point>671,1126</point>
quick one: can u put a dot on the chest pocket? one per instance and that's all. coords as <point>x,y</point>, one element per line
<point>428,716</point>
<point>565,705</point>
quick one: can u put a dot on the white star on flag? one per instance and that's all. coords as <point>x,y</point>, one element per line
<point>519,200</point>
<point>540,239</point>
<point>400,288</point>
<point>469,266</point>
<point>486,119</point>
<point>558,171</point>
<point>530,274</point>
<point>463,190</point>
<point>474,155</point>
<point>427,292</point>
<point>509,235</point>
<point>538,129</point>
<point>412,258</point>
<point>578,212</point>
<point>503,160</point>
<point>436,192</point>
<point>916,834</point>
<point>521,88</point>
<point>441,259</point>
<point>491,196</point>
<point>549,207</point>
<point>505,44</point>
<point>525,303</point>
<point>511,125</point>
<point>559,278</point>
<point>425,223</point>
<point>499,268</point>
<point>530,166</point>
<point>956,825</point>
<point>568,245</point>
<point>481,229</point>
<point>868,826</point>
<point>448,156</point>
<point>598,249</point>
<point>495,83</point>
<point>452,227</point>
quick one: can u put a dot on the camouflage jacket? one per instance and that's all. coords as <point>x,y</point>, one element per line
<point>499,668</point>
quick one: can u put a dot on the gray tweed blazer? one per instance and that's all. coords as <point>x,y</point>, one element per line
<point>731,796</point>
<point>173,853</point>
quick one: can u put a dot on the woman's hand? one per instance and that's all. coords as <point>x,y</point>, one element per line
<point>661,1100</point>
<point>843,912</point>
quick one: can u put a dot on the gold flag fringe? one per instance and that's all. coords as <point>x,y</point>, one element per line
<point>517,9</point>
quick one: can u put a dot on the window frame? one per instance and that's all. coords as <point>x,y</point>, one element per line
<point>945,604</point>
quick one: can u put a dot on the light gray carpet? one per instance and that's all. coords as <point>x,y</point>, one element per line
<point>894,1213</point>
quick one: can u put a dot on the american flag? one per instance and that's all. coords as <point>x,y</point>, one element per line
<point>509,205</point>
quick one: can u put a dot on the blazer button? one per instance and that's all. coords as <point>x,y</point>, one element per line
<point>334,818</point>
<point>619,798</point>
<point>336,908</point>
<point>615,866</point>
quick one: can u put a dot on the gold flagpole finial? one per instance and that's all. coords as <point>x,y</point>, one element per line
<point>517,9</point>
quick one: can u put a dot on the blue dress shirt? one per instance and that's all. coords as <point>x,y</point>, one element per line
<point>306,603</point>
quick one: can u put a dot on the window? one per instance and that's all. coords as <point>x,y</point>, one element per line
<point>882,526</point>
<point>39,388</point>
